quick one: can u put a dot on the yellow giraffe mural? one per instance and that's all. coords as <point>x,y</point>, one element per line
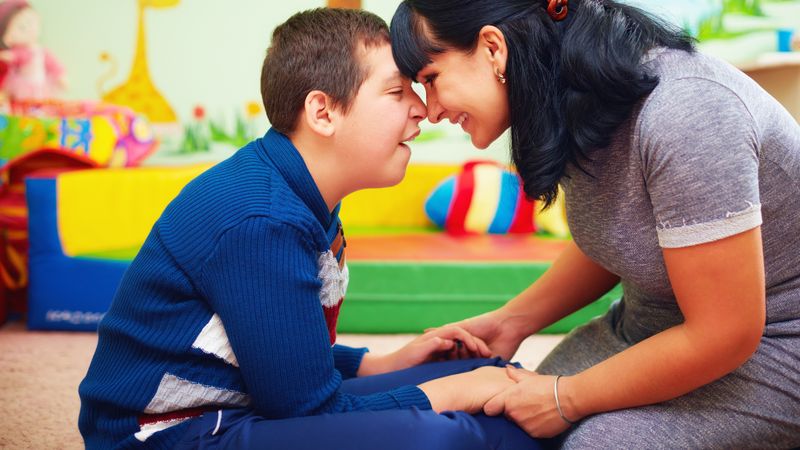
<point>352,4</point>
<point>139,92</point>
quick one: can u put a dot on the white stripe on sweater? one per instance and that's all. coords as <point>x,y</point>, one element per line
<point>174,394</point>
<point>334,281</point>
<point>214,341</point>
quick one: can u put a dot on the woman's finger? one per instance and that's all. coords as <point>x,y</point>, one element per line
<point>483,350</point>
<point>438,345</point>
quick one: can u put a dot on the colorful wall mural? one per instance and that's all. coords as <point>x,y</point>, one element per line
<point>185,57</point>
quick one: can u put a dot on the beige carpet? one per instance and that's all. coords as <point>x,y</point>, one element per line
<point>40,373</point>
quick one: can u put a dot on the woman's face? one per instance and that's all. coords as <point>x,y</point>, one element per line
<point>463,88</point>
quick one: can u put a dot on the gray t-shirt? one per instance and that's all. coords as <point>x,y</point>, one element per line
<point>708,154</point>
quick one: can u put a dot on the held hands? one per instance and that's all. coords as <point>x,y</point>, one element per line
<point>531,403</point>
<point>466,391</point>
<point>439,344</point>
<point>502,334</point>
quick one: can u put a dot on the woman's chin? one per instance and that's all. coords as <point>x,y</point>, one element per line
<point>479,143</point>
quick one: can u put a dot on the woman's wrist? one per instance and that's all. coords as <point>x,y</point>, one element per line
<point>569,399</point>
<point>517,319</point>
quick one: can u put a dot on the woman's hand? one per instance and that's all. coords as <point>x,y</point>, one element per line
<point>531,403</point>
<point>503,334</point>
<point>467,391</point>
<point>440,344</point>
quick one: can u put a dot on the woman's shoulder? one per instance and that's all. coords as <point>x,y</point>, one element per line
<point>697,75</point>
<point>695,88</point>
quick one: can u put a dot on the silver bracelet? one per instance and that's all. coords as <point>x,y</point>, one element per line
<point>558,404</point>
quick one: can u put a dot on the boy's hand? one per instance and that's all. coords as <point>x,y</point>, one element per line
<point>450,342</point>
<point>467,391</point>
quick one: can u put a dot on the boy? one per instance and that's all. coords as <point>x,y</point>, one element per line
<point>226,318</point>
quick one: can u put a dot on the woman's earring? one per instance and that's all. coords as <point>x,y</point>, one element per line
<point>557,9</point>
<point>500,77</point>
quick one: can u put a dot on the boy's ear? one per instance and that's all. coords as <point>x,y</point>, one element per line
<point>318,113</point>
<point>493,43</point>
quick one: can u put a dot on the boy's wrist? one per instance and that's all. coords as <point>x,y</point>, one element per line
<point>372,364</point>
<point>438,393</point>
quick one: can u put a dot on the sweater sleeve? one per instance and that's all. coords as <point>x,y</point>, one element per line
<point>262,280</point>
<point>347,360</point>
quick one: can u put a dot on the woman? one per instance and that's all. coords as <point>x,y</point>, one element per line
<point>682,182</point>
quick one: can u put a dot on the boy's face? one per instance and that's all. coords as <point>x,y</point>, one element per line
<point>385,113</point>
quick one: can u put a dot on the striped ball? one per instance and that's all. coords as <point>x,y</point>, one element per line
<point>484,198</point>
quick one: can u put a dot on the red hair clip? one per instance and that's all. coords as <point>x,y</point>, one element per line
<point>557,9</point>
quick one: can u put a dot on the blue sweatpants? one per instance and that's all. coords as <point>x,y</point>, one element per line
<point>400,429</point>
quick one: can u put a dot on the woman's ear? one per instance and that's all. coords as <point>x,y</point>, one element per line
<point>318,113</point>
<point>492,42</point>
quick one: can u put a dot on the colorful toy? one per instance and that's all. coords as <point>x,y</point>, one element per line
<point>33,73</point>
<point>108,134</point>
<point>484,198</point>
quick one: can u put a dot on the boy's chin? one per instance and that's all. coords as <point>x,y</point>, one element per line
<point>392,178</point>
<point>396,179</point>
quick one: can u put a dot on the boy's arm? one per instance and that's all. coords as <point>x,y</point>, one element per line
<point>262,280</point>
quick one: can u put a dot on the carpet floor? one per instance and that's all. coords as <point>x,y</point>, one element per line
<point>40,373</point>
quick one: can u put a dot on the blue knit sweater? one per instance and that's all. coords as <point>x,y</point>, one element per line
<point>221,308</point>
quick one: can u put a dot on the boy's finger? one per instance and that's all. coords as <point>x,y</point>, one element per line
<point>515,374</point>
<point>496,405</point>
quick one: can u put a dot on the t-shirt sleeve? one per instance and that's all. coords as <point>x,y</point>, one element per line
<point>262,280</point>
<point>699,150</point>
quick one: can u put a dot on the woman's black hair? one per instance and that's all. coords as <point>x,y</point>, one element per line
<point>571,84</point>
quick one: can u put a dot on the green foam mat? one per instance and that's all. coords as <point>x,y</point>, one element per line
<point>392,297</point>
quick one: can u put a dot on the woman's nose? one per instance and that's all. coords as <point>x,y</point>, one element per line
<point>435,110</point>
<point>418,110</point>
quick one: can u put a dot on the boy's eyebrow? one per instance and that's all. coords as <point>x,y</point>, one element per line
<point>394,77</point>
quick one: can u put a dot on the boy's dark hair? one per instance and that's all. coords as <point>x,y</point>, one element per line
<point>317,49</point>
<point>571,84</point>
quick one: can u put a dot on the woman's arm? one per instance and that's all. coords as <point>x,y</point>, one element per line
<point>572,282</point>
<point>720,289</point>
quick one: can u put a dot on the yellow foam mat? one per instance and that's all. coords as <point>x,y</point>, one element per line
<point>107,209</point>
<point>402,205</point>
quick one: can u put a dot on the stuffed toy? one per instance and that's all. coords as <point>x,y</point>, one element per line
<point>32,72</point>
